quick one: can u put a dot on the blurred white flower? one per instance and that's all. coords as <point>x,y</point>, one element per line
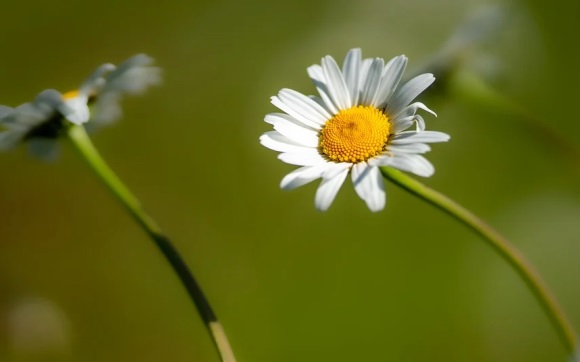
<point>466,46</point>
<point>41,122</point>
<point>357,124</point>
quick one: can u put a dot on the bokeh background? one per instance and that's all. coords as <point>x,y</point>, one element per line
<point>79,281</point>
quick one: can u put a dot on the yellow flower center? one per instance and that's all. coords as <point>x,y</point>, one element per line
<point>355,134</point>
<point>70,95</point>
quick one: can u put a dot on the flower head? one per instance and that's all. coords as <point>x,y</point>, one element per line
<point>358,124</point>
<point>42,121</point>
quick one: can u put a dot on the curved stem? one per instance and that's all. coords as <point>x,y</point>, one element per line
<point>83,144</point>
<point>507,251</point>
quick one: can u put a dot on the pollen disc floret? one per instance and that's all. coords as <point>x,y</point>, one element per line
<point>355,134</point>
<point>359,122</point>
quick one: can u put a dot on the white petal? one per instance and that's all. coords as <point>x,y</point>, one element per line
<point>328,189</point>
<point>304,105</point>
<point>5,111</point>
<point>408,92</point>
<point>368,184</point>
<point>371,82</point>
<point>335,82</point>
<point>416,164</point>
<point>320,102</point>
<point>412,108</point>
<point>49,97</point>
<point>334,169</point>
<point>301,176</point>
<point>402,123</point>
<point>292,129</point>
<point>409,148</point>
<point>27,115</point>
<point>392,74</point>
<point>10,139</point>
<point>95,81</point>
<point>424,136</point>
<point>407,114</point>
<point>133,76</point>
<point>277,142</point>
<point>351,72</point>
<point>76,110</point>
<point>420,123</point>
<point>107,108</point>
<point>364,71</point>
<point>317,75</point>
<point>309,157</point>
<point>294,113</point>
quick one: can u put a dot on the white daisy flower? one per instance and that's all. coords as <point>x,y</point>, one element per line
<point>41,122</point>
<point>358,124</point>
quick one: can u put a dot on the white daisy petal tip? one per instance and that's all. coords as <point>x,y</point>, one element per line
<point>401,59</point>
<point>306,157</point>
<point>422,106</point>
<point>440,136</point>
<point>354,53</point>
<point>328,58</point>
<point>369,186</point>
<point>269,118</point>
<point>327,191</point>
<point>378,204</point>
<point>300,176</point>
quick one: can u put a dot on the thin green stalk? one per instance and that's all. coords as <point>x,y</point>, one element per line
<point>83,144</point>
<point>507,251</point>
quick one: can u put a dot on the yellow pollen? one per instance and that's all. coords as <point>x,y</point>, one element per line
<point>355,134</point>
<point>70,94</point>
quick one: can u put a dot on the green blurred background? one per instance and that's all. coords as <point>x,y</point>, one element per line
<point>79,281</point>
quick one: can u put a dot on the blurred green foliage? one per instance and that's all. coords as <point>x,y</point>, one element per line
<point>289,283</point>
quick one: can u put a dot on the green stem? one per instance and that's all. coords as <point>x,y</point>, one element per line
<point>83,144</point>
<point>507,251</point>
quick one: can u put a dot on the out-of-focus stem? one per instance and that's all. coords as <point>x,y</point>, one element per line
<point>83,144</point>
